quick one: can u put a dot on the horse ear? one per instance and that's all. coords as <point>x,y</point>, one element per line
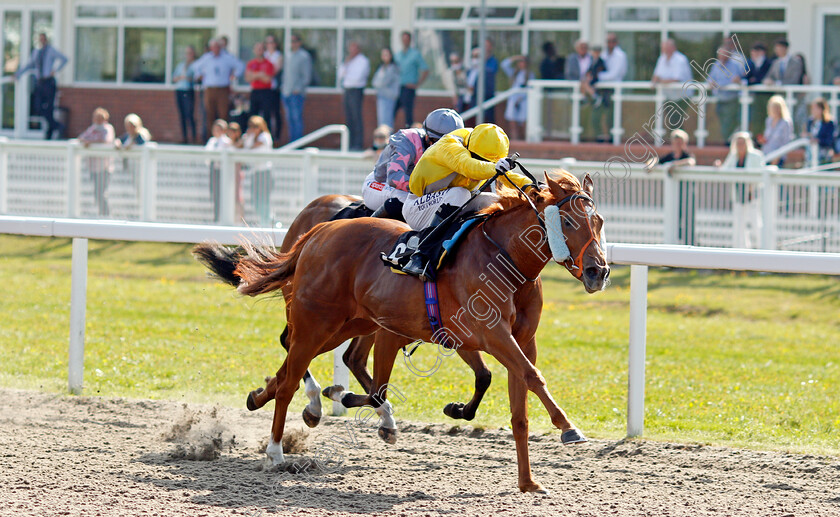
<point>588,184</point>
<point>553,186</point>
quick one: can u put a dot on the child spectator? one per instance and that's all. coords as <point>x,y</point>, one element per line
<point>135,133</point>
<point>820,129</point>
<point>587,85</point>
<point>99,132</point>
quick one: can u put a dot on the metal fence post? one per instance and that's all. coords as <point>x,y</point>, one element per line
<point>638,344</point>
<point>534,129</point>
<point>341,376</point>
<point>78,301</point>
<point>4,176</point>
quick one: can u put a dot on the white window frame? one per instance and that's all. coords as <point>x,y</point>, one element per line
<point>121,22</point>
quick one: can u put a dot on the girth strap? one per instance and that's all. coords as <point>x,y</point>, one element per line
<point>433,310</point>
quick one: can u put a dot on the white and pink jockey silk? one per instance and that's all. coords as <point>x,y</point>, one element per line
<point>397,161</point>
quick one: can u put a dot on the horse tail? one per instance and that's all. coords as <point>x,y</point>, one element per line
<point>266,271</point>
<point>220,260</point>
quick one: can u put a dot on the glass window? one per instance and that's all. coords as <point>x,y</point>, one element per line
<point>248,36</point>
<point>182,38</point>
<point>564,44</point>
<point>96,54</point>
<point>193,11</point>
<point>505,44</point>
<point>439,13</point>
<point>145,55</point>
<point>310,12</point>
<point>831,49</point>
<point>436,47</point>
<point>569,14</point>
<point>322,46</point>
<point>96,11</point>
<point>42,22</point>
<point>263,11</point>
<point>12,27</point>
<point>697,46</point>
<point>747,39</point>
<point>367,13</point>
<point>145,11</point>
<point>758,15</point>
<point>493,12</point>
<point>633,14</point>
<point>694,15</point>
<point>642,50</point>
<point>371,42</point>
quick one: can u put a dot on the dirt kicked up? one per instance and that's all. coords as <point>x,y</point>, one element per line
<point>94,456</point>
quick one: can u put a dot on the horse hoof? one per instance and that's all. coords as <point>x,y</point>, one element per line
<point>571,436</point>
<point>309,419</point>
<point>454,410</point>
<point>250,403</point>
<point>389,435</point>
<point>534,488</point>
<point>332,392</point>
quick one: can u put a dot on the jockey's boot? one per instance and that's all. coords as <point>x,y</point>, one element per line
<point>419,262</point>
<point>380,212</point>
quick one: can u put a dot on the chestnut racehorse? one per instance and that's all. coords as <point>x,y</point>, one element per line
<point>340,289</point>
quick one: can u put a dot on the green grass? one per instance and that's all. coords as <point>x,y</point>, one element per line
<point>737,359</point>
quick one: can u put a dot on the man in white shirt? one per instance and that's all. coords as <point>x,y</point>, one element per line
<point>616,62</point>
<point>215,68</point>
<point>353,75</point>
<point>673,71</point>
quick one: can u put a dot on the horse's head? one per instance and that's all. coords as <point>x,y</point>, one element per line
<point>575,230</point>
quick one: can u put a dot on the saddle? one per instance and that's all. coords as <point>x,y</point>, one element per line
<point>440,248</point>
<point>353,211</point>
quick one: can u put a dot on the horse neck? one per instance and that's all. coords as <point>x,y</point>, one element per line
<point>516,229</point>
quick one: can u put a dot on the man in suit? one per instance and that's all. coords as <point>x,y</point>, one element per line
<point>45,63</point>
<point>759,64</point>
<point>786,69</point>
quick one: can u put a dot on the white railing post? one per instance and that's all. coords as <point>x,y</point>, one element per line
<point>815,155</point>
<point>534,127</point>
<point>74,180</point>
<point>638,343</point>
<point>769,209</point>
<point>617,102</point>
<point>745,99</point>
<point>148,182</point>
<point>659,101</point>
<point>576,128</point>
<point>344,145</point>
<point>227,189</point>
<point>670,208</point>
<point>78,302</point>
<point>341,376</point>
<point>4,176</point>
<point>309,181</point>
<point>701,132</point>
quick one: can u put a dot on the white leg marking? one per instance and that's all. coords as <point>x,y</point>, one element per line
<point>275,452</point>
<point>386,416</point>
<point>336,396</point>
<point>313,391</point>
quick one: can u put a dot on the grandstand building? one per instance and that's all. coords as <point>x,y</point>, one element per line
<point>122,52</point>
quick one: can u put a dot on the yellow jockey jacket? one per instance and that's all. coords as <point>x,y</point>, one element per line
<point>448,163</point>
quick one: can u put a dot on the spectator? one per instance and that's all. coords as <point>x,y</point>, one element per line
<point>380,139</point>
<point>217,142</point>
<point>260,72</point>
<point>724,72</point>
<point>258,138</point>
<point>296,77</point>
<point>185,95</point>
<point>353,74</point>
<point>579,62</point>
<point>616,62</point>
<point>786,69</point>
<point>516,112</point>
<point>234,134</point>
<point>820,129</point>
<point>215,69</point>
<point>461,99</point>
<point>386,80</point>
<point>473,73</point>
<point>745,206</point>
<point>551,66</point>
<point>413,71</point>
<point>778,129</point>
<point>687,200</point>
<point>135,134</point>
<point>491,68</point>
<point>99,132</point>
<point>273,54</point>
<point>759,64</point>
<point>673,71</point>
<point>46,61</point>
<point>587,82</point>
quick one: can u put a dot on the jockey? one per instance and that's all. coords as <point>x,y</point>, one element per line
<point>386,188</point>
<point>448,173</point>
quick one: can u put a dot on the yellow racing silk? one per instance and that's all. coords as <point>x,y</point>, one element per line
<point>448,163</point>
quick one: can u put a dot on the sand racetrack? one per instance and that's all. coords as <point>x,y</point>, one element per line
<point>94,456</point>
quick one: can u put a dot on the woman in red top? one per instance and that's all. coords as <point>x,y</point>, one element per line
<point>259,72</point>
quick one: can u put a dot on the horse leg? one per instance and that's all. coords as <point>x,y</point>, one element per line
<point>482,382</point>
<point>518,395</point>
<point>384,354</point>
<point>356,359</point>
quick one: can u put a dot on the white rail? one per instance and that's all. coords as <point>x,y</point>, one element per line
<point>318,134</point>
<point>639,257</point>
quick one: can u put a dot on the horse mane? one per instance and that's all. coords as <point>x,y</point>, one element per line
<point>510,197</point>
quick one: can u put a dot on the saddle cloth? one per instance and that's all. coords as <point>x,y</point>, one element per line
<point>441,247</point>
<point>353,211</point>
